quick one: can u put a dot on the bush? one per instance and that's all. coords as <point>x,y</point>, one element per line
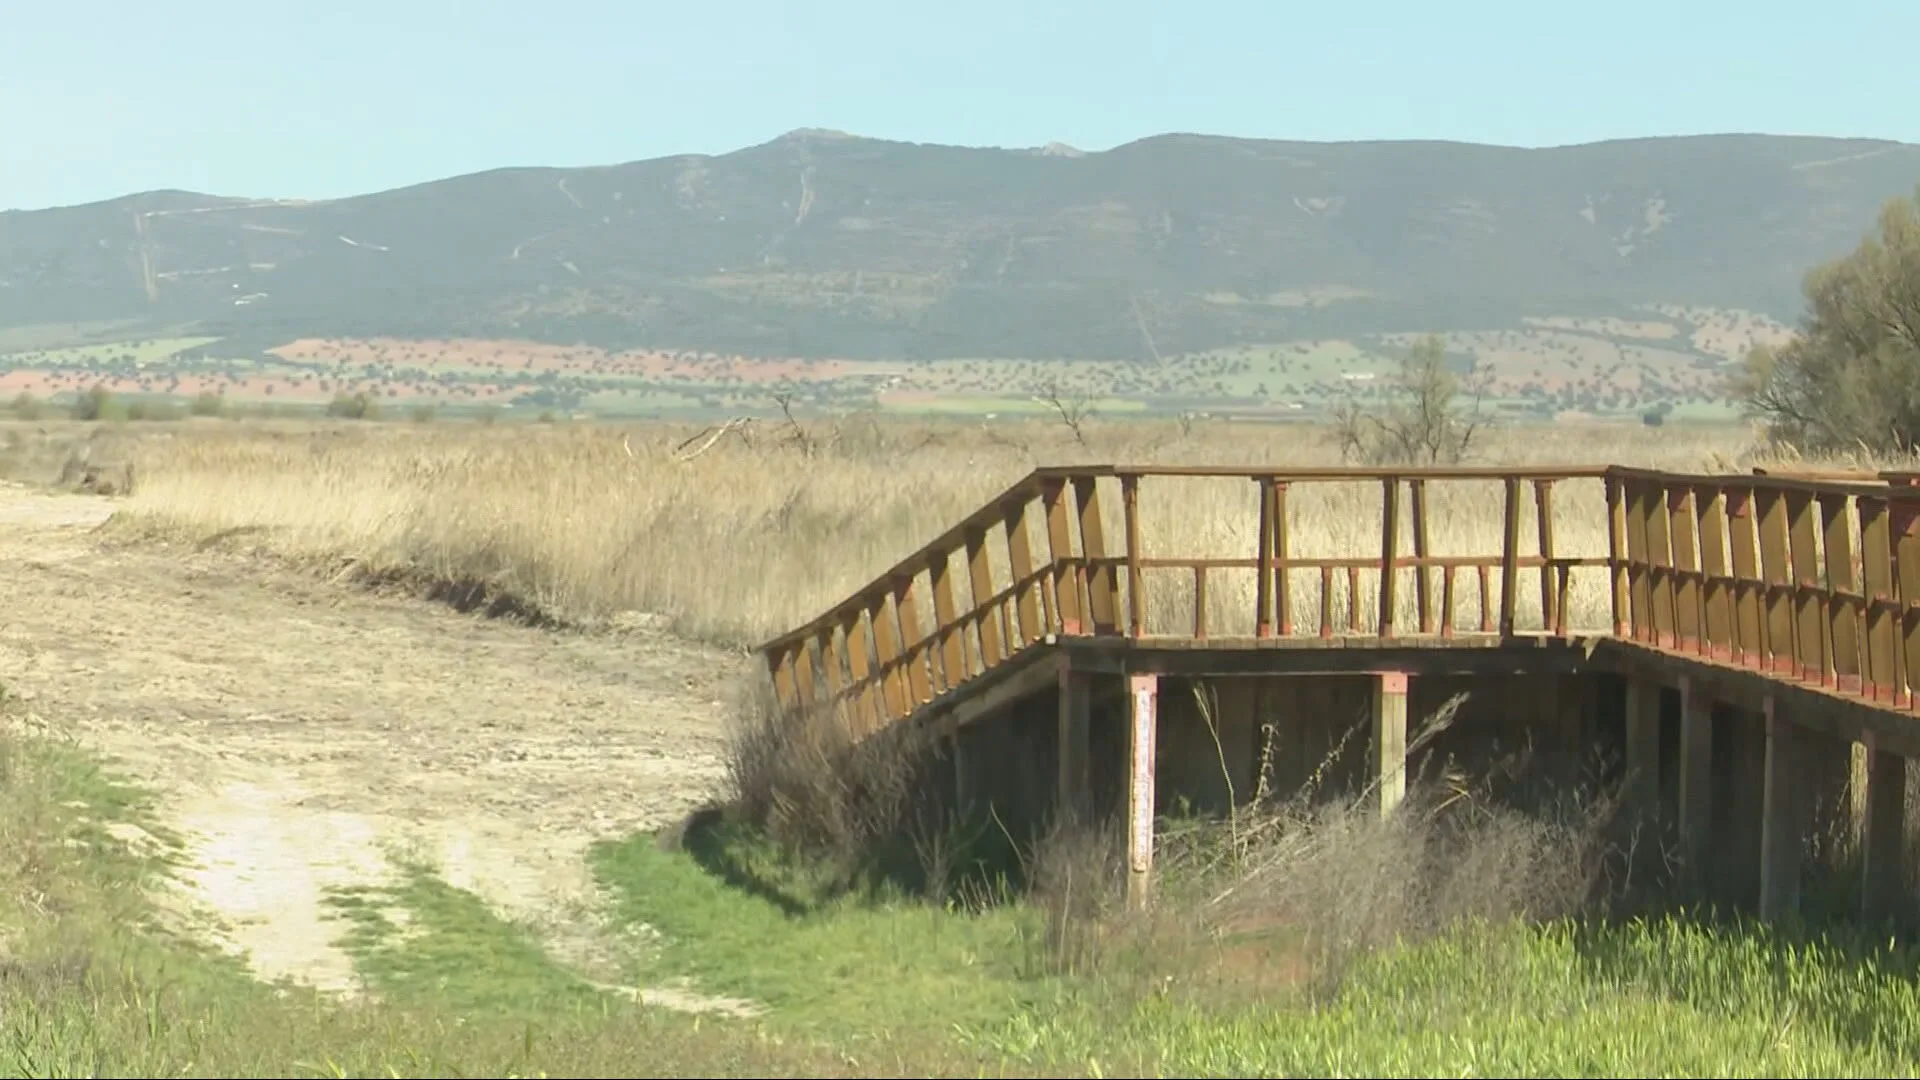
<point>1851,378</point>
<point>26,406</point>
<point>208,403</point>
<point>360,406</point>
<point>98,403</point>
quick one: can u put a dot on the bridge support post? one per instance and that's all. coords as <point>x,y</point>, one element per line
<point>1696,778</point>
<point>1390,739</point>
<point>1143,713</point>
<point>1075,796</point>
<point>963,780</point>
<point>1779,818</point>
<point>1882,838</point>
<point>1642,792</point>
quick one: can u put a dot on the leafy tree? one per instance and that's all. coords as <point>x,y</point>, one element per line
<point>1851,377</point>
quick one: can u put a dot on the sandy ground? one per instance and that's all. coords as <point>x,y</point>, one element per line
<point>302,735</point>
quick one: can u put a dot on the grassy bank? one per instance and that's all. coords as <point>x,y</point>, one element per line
<point>96,981</point>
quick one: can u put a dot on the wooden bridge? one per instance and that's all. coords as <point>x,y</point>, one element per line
<point>1097,639</point>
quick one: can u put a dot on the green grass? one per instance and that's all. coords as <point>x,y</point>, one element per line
<point>94,982</point>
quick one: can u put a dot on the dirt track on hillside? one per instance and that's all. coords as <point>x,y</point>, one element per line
<point>303,735</point>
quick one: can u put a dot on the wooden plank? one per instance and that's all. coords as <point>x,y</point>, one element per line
<point>1028,627</point>
<point>1686,566</point>
<point>1843,616</point>
<point>1905,526</point>
<point>1389,552</point>
<point>917,649</point>
<point>1803,531</point>
<point>1136,586</point>
<point>1776,571</point>
<point>1389,740</point>
<point>1639,566</point>
<point>946,617</point>
<point>1263,570</point>
<point>1882,618</point>
<point>867,704</point>
<point>1103,584</point>
<point>780,664</point>
<point>1617,557</point>
<point>986,620</point>
<point>1710,503</point>
<point>1749,625</point>
<point>805,664</point>
<point>1063,589</point>
<point>1660,561</point>
<point>1883,894</point>
<point>886,654</point>
<point>1282,560</point>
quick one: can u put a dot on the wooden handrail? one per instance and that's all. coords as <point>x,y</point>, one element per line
<point>1758,568</point>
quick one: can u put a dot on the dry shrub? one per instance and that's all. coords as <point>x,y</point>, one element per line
<point>1285,896</point>
<point>802,779</point>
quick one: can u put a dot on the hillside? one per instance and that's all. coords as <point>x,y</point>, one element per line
<point>819,245</point>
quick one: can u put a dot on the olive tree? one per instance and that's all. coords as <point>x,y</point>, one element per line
<point>1851,377</point>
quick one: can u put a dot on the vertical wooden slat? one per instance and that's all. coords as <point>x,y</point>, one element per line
<point>1686,566</point>
<point>780,667</point>
<point>916,646</point>
<point>1417,506</point>
<point>1020,564</point>
<point>1326,601</point>
<point>1660,562</point>
<point>1066,596</point>
<point>1136,586</point>
<point>1749,628</point>
<point>1808,608</point>
<point>1543,530</point>
<point>1200,603</point>
<point>1263,560</point>
<point>946,617</point>
<point>1103,584</point>
<point>886,655</point>
<point>1353,600</point>
<point>1843,613</point>
<point>1905,525</point>
<point>986,617</point>
<point>1446,600</point>
<point>1711,505</point>
<point>1282,561</point>
<point>833,663</point>
<point>1882,629</point>
<point>1639,573</point>
<point>803,669</point>
<point>1510,557</point>
<point>1389,551</point>
<point>1486,597</point>
<point>866,696</point>
<point>1777,573</point>
<point>1617,556</point>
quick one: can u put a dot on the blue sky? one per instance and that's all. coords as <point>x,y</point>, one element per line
<point>270,98</point>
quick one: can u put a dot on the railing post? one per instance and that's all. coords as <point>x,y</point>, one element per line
<point>1883,618</point>
<point>1906,538</point>
<point>1136,594</point>
<point>1686,568</point>
<point>1389,551</point>
<point>980,581</point>
<point>780,667</point>
<point>1263,570</point>
<point>1617,557</point>
<point>953,645</point>
<point>1775,570</point>
<point>866,703</point>
<point>888,654</point>
<point>1543,530</point>
<point>1660,558</point>
<point>1510,557</point>
<point>1422,586</point>
<point>914,645</point>
<point>1843,616</point>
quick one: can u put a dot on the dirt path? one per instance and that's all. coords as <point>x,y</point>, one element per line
<point>303,734</point>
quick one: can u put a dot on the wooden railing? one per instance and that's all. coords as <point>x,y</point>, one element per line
<point>1043,559</point>
<point>1813,577</point>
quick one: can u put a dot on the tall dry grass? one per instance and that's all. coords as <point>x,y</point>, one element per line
<point>747,540</point>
